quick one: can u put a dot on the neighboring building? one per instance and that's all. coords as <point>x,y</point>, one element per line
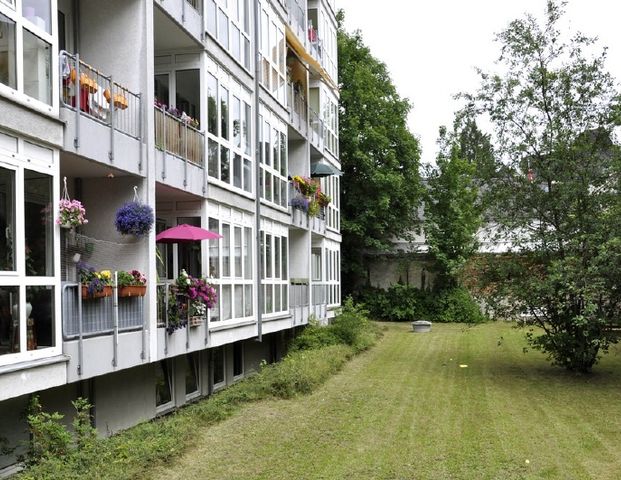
<point>83,85</point>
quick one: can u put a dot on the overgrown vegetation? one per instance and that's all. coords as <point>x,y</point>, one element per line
<point>317,353</point>
<point>403,303</point>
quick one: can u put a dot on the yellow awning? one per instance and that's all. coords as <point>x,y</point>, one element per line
<point>295,43</point>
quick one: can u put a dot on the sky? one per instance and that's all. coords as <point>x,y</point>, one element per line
<point>431,47</point>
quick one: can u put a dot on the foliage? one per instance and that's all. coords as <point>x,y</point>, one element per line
<point>133,278</point>
<point>49,438</point>
<point>134,218</point>
<point>397,303</point>
<point>452,213</point>
<point>133,452</point>
<point>95,281</point>
<point>196,292</point>
<point>380,188</point>
<point>350,327</point>
<point>85,433</point>
<point>455,305</point>
<point>71,212</point>
<point>309,196</point>
<point>556,189</point>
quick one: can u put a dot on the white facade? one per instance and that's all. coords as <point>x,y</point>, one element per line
<point>161,100</point>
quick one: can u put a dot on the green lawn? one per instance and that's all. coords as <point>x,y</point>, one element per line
<point>407,410</point>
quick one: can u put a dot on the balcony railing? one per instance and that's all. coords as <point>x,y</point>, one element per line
<point>297,107</point>
<point>317,129</point>
<point>177,137</point>
<point>315,43</point>
<point>88,91</point>
<point>97,316</point>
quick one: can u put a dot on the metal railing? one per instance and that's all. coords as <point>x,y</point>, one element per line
<point>315,44</point>
<point>317,129</point>
<point>91,93</point>
<point>178,138</point>
<point>97,315</point>
<point>297,107</point>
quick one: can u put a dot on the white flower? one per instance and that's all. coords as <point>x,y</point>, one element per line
<point>188,281</point>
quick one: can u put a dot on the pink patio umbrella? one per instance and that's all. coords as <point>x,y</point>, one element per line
<point>185,233</point>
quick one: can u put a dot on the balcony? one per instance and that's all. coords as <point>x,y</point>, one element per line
<point>185,13</point>
<point>298,301</point>
<point>317,130</point>
<point>102,334</point>
<point>315,44</point>
<point>319,300</point>
<point>103,115</point>
<point>183,151</point>
<point>296,16</point>
<point>304,214</point>
<point>297,108</point>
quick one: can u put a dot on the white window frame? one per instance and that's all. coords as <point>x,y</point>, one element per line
<point>276,279</point>
<point>222,384</point>
<point>18,161</point>
<point>15,14</point>
<point>268,22</point>
<point>267,165</point>
<point>236,220</point>
<point>164,407</point>
<point>193,357</point>
<point>331,186</point>
<point>241,22</point>
<point>245,149</point>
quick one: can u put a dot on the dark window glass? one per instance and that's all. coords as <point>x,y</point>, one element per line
<point>218,365</point>
<point>238,359</point>
<point>40,321</point>
<point>39,224</point>
<point>7,220</point>
<point>163,390</point>
<point>9,320</point>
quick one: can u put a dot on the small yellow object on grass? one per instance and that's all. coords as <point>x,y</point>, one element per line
<point>527,461</point>
<point>463,366</point>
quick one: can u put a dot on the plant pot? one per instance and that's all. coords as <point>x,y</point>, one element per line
<point>196,321</point>
<point>133,291</point>
<point>106,292</point>
<point>68,226</point>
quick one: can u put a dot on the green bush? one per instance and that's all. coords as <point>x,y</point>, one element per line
<point>398,303</point>
<point>456,305</point>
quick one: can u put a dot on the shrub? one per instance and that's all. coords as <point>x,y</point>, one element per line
<point>49,438</point>
<point>399,303</point>
<point>456,305</point>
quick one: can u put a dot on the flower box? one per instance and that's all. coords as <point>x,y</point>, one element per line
<point>133,291</point>
<point>196,321</point>
<point>106,292</point>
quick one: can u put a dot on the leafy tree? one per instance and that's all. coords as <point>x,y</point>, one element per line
<point>554,109</point>
<point>380,187</point>
<point>452,211</point>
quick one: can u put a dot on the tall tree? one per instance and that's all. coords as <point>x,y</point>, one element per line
<point>554,109</point>
<point>452,207</point>
<point>381,186</point>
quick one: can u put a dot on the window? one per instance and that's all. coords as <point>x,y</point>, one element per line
<point>333,275</point>
<point>26,46</point>
<point>229,149</point>
<point>9,320</point>
<point>7,219</point>
<point>274,159</point>
<point>189,254</point>
<point>218,366</point>
<point>192,375</point>
<point>230,265</point>
<point>39,224</point>
<point>8,54</point>
<point>274,269</point>
<point>330,186</point>
<point>163,385</point>
<point>238,359</point>
<point>273,53</point>
<point>228,24</point>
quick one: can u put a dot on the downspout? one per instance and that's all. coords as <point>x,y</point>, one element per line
<point>257,172</point>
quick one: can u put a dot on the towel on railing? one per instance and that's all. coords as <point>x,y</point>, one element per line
<point>100,107</point>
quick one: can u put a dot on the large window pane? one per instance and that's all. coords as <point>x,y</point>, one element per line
<point>211,17</point>
<point>9,320</point>
<point>238,301</point>
<point>224,113</point>
<point>238,359</point>
<point>218,365</point>
<point>237,170</point>
<point>283,154</point>
<point>40,322</point>
<point>247,175</point>
<point>235,43</point>
<point>247,135</point>
<point>214,250</point>
<point>236,113</point>
<point>188,92</point>
<point>161,88</point>
<point>226,250</point>
<point>212,160</point>
<point>37,68</point>
<point>212,104</point>
<point>39,224</point>
<point>248,253</point>
<point>8,57</point>
<point>38,12</point>
<point>7,220</point>
<point>163,390</point>
<point>226,302</point>
<point>237,252</point>
<point>223,29</point>
<point>248,300</point>
<point>225,165</point>
<point>189,254</point>
<point>191,374</point>
<point>268,256</point>
<point>284,258</point>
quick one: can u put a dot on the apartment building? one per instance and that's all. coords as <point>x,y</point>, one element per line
<point>203,109</point>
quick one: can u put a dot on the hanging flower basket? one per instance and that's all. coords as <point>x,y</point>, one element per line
<point>134,218</point>
<point>71,213</point>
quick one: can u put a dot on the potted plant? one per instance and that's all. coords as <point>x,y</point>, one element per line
<point>71,213</point>
<point>94,284</point>
<point>192,297</point>
<point>131,284</point>
<point>134,218</point>
<point>322,199</point>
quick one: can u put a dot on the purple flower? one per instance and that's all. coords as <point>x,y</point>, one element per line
<point>134,218</point>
